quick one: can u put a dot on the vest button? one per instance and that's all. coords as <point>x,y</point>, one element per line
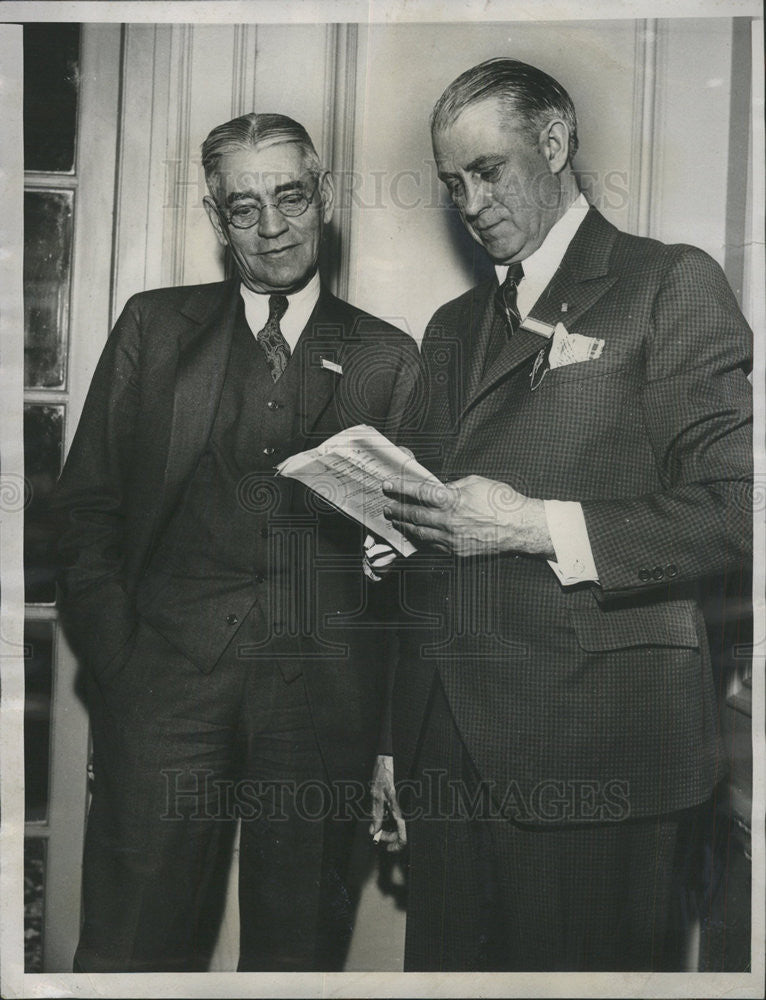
<point>232,620</point>
<point>264,532</point>
<point>269,451</point>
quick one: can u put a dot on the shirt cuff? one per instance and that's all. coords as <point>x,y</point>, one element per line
<point>569,536</point>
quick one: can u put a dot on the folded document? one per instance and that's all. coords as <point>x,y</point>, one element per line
<point>348,471</point>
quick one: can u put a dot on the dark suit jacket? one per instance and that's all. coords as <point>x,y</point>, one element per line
<point>554,688</point>
<point>145,423</point>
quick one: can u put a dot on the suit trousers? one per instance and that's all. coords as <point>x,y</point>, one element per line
<point>179,755</point>
<point>487,894</point>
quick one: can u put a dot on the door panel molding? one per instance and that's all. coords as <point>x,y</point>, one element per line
<point>89,321</point>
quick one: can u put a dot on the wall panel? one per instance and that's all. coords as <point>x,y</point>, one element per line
<point>691,134</point>
<point>179,81</point>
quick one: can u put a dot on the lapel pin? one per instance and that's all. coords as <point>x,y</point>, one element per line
<point>331,366</point>
<point>564,307</point>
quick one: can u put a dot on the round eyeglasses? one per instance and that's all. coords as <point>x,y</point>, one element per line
<point>291,204</point>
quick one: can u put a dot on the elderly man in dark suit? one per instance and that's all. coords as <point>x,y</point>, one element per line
<point>234,669</point>
<point>589,413</point>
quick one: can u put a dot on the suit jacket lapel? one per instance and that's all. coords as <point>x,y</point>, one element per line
<point>582,277</point>
<point>580,281</point>
<point>480,321</point>
<point>325,336</point>
<point>203,350</point>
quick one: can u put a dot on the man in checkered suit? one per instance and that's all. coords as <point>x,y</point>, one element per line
<point>554,713</point>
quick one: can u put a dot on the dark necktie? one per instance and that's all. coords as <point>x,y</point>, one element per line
<point>506,298</point>
<point>271,338</point>
<point>507,311</point>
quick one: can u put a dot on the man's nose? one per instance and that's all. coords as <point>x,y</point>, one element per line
<point>477,197</point>
<point>271,223</point>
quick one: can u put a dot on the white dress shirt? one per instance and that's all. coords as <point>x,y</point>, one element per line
<point>566,522</point>
<point>300,306</point>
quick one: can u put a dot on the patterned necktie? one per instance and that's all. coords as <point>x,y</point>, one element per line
<point>506,298</point>
<point>271,338</point>
<point>505,307</point>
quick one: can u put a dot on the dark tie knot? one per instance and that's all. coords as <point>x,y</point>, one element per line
<point>514,276</point>
<point>277,306</point>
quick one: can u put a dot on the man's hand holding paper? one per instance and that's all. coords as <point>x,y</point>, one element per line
<point>469,517</point>
<point>348,471</point>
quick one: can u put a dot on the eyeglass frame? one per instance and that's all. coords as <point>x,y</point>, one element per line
<point>227,216</point>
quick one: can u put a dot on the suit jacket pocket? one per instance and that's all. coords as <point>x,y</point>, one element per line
<point>672,623</point>
<point>580,370</point>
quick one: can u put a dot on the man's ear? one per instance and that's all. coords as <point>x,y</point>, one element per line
<point>327,194</point>
<point>215,220</point>
<point>554,143</point>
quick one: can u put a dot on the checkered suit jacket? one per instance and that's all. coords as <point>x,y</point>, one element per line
<point>607,687</point>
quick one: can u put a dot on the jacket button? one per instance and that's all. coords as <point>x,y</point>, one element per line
<point>258,577</point>
<point>644,574</point>
<point>232,620</point>
<point>672,570</point>
<point>274,405</point>
<point>269,451</point>
<point>658,573</point>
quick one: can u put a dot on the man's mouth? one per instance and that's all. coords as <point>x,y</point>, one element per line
<point>277,250</point>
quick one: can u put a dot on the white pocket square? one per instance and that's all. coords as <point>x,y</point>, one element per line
<point>572,348</point>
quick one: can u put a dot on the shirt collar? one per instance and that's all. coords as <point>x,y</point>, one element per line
<point>541,265</point>
<point>300,306</point>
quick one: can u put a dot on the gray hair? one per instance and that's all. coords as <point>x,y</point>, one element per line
<point>249,131</point>
<point>529,97</point>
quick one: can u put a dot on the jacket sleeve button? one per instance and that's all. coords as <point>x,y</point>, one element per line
<point>672,570</point>
<point>658,573</point>
<point>644,575</point>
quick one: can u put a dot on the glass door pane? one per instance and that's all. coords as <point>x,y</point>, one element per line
<point>47,266</point>
<point>43,441</point>
<point>51,85</point>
